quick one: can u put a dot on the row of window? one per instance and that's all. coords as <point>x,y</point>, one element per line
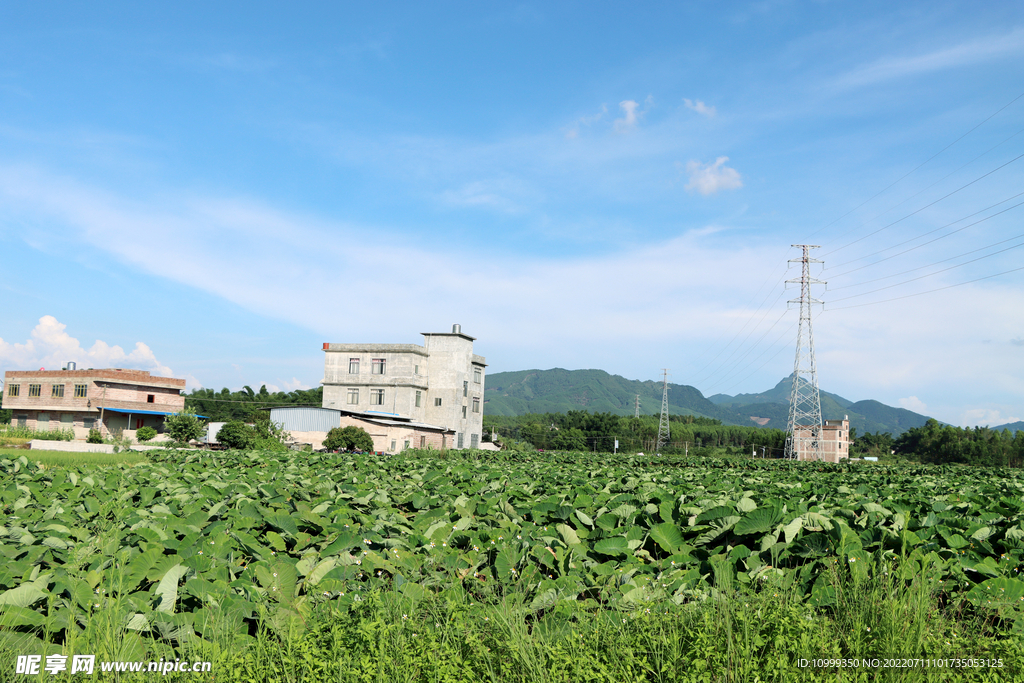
<point>56,390</point>
<point>474,440</point>
<point>378,366</point>
<point>377,399</point>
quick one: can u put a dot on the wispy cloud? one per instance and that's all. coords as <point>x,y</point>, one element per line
<point>913,403</point>
<point>700,107</point>
<point>632,114</point>
<point>573,130</point>
<point>964,54</point>
<point>499,195</point>
<point>51,347</point>
<point>708,179</point>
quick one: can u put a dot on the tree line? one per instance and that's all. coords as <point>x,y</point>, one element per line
<point>226,405</point>
<point>941,444</point>
<point>580,430</point>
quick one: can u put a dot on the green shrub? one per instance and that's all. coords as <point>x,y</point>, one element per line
<point>94,436</point>
<point>184,426</point>
<point>348,438</point>
<point>237,434</point>
<point>145,433</point>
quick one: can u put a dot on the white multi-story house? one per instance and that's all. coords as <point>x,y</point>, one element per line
<point>440,383</point>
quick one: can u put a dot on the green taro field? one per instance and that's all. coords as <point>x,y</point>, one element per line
<point>512,567</point>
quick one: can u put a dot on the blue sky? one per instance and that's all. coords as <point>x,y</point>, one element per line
<point>214,191</point>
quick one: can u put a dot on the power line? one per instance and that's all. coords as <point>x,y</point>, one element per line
<point>921,277</point>
<point>939,289</point>
<point>953,232</point>
<point>973,251</point>
<point>913,213</point>
<point>923,163</point>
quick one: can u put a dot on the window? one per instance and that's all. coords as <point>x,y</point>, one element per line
<point>476,404</point>
<point>392,445</point>
<point>81,390</point>
<point>437,402</point>
<point>21,420</point>
<point>415,369</point>
<point>377,399</point>
<point>13,389</point>
<point>353,397</point>
<point>423,442</point>
<point>150,398</point>
<point>477,375</point>
<point>460,439</point>
<point>463,412</point>
<point>35,389</point>
<point>89,422</point>
<point>465,388</point>
<point>419,398</point>
<point>353,366</point>
<point>405,446</point>
<point>377,366</point>
<point>57,391</point>
<point>474,440</point>
<point>43,421</point>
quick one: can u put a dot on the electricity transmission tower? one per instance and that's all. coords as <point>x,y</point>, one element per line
<point>804,442</point>
<point>636,409</point>
<point>663,430</point>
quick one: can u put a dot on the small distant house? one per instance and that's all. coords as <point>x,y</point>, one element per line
<point>833,440</point>
<point>113,400</point>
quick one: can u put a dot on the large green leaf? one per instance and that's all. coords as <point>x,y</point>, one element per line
<point>757,521</point>
<point>616,546</point>
<point>667,536</point>
<point>167,589</point>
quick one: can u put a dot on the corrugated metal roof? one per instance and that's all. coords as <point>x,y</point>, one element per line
<point>306,418</point>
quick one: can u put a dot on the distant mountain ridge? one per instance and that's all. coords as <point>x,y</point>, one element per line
<point>558,391</point>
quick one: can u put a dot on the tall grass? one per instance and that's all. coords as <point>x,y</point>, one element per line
<point>14,432</point>
<point>72,459</point>
<point>451,637</point>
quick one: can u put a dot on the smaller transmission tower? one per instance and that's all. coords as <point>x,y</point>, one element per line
<point>636,409</point>
<point>804,442</point>
<point>663,430</point>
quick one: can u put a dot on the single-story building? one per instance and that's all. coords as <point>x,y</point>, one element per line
<point>391,433</point>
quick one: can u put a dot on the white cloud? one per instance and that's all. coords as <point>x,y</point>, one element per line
<point>295,384</point>
<point>700,108</point>
<point>574,130</point>
<point>488,194</point>
<point>632,113</point>
<point>971,52</point>
<point>987,417</point>
<point>1017,342</point>
<point>711,178</point>
<point>913,403</point>
<point>51,347</point>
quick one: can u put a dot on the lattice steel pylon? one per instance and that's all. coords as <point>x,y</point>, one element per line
<point>636,409</point>
<point>804,442</point>
<point>663,430</point>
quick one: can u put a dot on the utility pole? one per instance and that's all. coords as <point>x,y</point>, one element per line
<point>663,430</point>
<point>636,409</point>
<point>804,442</point>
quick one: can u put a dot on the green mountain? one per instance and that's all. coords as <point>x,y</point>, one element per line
<point>559,391</point>
<point>1014,427</point>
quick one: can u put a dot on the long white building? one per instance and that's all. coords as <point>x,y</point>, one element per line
<point>440,383</point>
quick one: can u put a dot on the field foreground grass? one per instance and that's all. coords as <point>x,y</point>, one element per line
<point>512,567</point>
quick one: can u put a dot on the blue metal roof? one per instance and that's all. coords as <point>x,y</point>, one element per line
<point>147,412</point>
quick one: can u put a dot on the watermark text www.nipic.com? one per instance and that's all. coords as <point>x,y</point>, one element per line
<point>32,665</point>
